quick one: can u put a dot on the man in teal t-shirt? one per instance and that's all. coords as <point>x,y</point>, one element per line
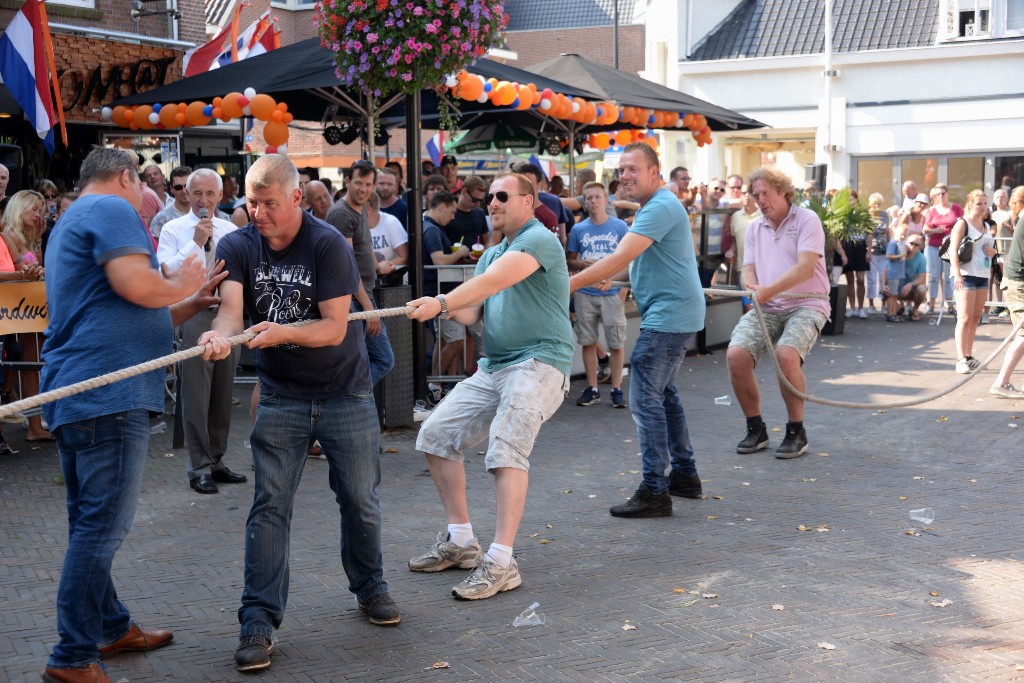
<point>521,288</point>
<point>671,304</point>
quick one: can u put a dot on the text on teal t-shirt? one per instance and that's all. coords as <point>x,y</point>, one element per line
<point>664,276</point>
<point>530,319</point>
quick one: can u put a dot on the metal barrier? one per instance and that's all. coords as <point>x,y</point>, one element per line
<point>449,277</point>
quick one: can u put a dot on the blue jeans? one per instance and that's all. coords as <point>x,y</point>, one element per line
<point>657,410</point>
<point>938,271</point>
<point>347,429</point>
<point>380,355</point>
<point>102,460</point>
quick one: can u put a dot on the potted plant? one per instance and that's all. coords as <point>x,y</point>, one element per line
<point>842,217</point>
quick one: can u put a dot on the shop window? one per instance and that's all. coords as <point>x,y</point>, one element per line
<point>964,175</point>
<point>1009,172</point>
<point>875,175</point>
<point>924,171</point>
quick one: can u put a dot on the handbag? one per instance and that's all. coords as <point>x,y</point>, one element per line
<point>964,251</point>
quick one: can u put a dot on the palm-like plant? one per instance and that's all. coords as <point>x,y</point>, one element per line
<point>842,217</point>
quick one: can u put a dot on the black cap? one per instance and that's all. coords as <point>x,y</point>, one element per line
<point>449,159</point>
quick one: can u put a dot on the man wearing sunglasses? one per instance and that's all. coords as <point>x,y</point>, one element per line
<point>469,225</point>
<point>179,207</point>
<point>521,288</point>
<point>671,304</point>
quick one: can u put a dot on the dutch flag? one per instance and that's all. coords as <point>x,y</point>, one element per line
<point>24,70</point>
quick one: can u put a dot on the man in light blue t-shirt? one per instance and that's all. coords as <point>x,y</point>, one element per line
<point>592,239</point>
<point>521,288</point>
<point>671,304</point>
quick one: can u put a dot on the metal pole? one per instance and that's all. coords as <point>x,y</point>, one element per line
<point>615,34</point>
<point>414,176</point>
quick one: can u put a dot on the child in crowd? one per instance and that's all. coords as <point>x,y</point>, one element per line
<point>895,254</point>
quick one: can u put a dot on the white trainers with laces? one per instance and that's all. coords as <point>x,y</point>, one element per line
<point>489,578</point>
<point>445,554</point>
<point>1006,391</point>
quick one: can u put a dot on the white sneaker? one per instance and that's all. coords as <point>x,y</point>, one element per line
<point>1006,391</point>
<point>444,554</point>
<point>489,578</point>
<point>962,367</point>
<point>850,312</point>
<point>862,313</point>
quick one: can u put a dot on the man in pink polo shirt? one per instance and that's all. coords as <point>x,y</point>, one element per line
<point>784,252</point>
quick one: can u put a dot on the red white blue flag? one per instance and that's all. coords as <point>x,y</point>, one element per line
<point>23,68</point>
<point>260,37</point>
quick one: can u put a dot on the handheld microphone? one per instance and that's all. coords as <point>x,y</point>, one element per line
<point>203,214</point>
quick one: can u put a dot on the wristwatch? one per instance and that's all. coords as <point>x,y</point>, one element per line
<point>444,306</point>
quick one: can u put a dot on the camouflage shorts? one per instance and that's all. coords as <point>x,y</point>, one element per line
<point>798,329</point>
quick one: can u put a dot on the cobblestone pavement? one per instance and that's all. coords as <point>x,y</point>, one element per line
<point>788,570</point>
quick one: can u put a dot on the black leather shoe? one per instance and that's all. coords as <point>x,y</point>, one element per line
<point>203,484</point>
<point>226,476</point>
<point>685,485</point>
<point>644,503</point>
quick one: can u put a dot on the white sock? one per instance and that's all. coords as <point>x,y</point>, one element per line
<point>501,554</point>
<point>460,534</point>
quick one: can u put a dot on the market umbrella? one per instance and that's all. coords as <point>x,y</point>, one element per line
<point>494,136</point>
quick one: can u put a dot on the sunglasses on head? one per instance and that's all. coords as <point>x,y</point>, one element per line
<point>501,196</point>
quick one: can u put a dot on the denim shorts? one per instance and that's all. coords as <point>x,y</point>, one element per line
<point>975,282</point>
<point>798,329</point>
<point>508,405</point>
<point>594,311</point>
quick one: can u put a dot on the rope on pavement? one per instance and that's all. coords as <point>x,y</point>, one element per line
<point>13,409</point>
<point>784,381</point>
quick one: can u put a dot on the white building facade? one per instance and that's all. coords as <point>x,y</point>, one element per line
<point>921,90</point>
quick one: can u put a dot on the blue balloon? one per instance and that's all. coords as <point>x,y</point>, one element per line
<point>157,107</point>
<point>600,112</point>
<point>208,110</point>
<point>488,87</point>
<point>650,120</point>
<point>515,103</point>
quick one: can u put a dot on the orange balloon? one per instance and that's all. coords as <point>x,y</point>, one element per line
<point>288,118</point>
<point>278,115</point>
<point>117,116</point>
<point>129,117</point>
<point>180,118</point>
<point>218,113</point>
<point>217,101</point>
<point>623,138</point>
<point>275,133</point>
<point>194,114</point>
<point>603,140</point>
<point>471,88</point>
<point>653,142</point>
<point>230,105</point>
<point>671,118</point>
<point>168,116</point>
<point>525,98</point>
<point>141,116</point>
<point>262,106</point>
<point>282,106</point>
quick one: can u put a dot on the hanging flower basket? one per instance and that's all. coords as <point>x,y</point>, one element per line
<point>394,46</point>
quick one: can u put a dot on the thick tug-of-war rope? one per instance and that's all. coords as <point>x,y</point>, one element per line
<point>12,409</point>
<point>906,403</point>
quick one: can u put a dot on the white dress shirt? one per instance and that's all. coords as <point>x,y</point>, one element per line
<point>177,243</point>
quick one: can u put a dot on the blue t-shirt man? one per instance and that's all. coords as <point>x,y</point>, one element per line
<point>434,240</point>
<point>544,334</point>
<point>287,286</point>
<point>400,210</point>
<point>913,267</point>
<point>664,276</point>
<point>92,330</point>
<point>593,241</point>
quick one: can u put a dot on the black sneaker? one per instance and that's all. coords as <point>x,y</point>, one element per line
<point>604,373</point>
<point>253,653</point>
<point>684,485</point>
<point>381,610</point>
<point>794,445</point>
<point>618,400</point>
<point>755,440</point>
<point>589,397</point>
<point>644,503</point>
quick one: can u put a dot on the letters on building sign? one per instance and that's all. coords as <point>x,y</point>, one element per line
<point>85,89</point>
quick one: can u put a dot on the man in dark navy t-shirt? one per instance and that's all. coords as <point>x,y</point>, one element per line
<point>287,267</point>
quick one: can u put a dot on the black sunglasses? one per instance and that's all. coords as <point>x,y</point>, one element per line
<point>178,188</point>
<point>476,200</point>
<point>501,196</point>
<point>719,189</point>
<point>50,196</point>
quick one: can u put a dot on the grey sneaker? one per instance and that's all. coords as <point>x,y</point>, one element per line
<point>489,578</point>
<point>604,372</point>
<point>1006,391</point>
<point>445,554</point>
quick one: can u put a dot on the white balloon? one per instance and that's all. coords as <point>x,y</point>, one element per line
<point>575,107</point>
<point>679,123</point>
<point>451,81</point>
<point>282,149</point>
<point>545,104</point>
<point>249,93</point>
<point>106,113</point>
<point>154,118</point>
<point>246,111</point>
<point>483,98</point>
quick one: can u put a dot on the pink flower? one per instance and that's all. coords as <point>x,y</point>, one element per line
<point>407,77</point>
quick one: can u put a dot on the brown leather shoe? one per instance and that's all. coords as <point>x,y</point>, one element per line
<point>93,673</point>
<point>137,640</point>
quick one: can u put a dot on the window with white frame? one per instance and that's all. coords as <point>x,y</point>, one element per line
<point>293,4</point>
<point>88,4</point>
<point>973,19</point>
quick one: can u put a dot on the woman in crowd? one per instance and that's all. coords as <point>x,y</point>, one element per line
<point>970,277</point>
<point>939,220</point>
<point>855,267</point>
<point>23,226</point>
<point>877,242</point>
